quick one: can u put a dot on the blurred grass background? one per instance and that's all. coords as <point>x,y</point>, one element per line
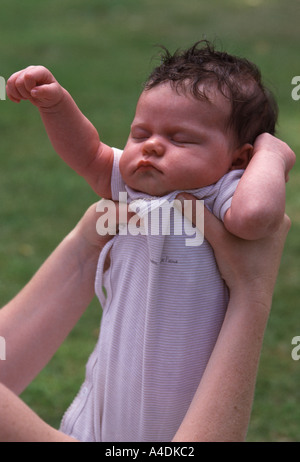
<point>101,51</point>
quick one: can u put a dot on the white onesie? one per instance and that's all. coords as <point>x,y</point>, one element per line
<point>163,307</point>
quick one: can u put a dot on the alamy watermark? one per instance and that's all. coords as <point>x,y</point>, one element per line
<point>2,348</point>
<point>296,350</point>
<point>152,217</point>
<point>2,88</point>
<point>296,89</point>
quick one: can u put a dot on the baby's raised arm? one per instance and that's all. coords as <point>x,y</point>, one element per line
<point>72,135</point>
<point>258,204</point>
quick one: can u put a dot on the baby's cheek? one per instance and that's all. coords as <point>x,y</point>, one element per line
<point>127,165</point>
<point>124,171</point>
<point>122,165</point>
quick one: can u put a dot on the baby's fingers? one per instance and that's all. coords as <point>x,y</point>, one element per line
<point>21,85</point>
<point>46,95</point>
<point>12,90</point>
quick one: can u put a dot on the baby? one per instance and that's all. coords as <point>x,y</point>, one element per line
<point>164,302</point>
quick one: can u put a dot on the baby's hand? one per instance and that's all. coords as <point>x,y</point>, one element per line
<point>36,84</point>
<point>266,142</point>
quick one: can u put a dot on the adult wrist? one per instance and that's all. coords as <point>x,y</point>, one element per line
<point>255,297</point>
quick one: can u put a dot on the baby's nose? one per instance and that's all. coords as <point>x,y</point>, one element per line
<point>154,146</point>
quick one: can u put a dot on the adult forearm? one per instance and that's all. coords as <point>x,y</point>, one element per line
<point>221,407</point>
<point>39,318</point>
<point>18,423</point>
<point>222,404</point>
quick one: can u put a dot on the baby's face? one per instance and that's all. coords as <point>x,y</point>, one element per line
<point>177,142</point>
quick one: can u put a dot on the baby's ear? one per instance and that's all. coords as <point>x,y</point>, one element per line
<point>242,156</point>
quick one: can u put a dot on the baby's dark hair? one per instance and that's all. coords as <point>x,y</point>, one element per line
<point>254,109</point>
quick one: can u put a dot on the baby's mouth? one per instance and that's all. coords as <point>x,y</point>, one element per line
<point>146,165</point>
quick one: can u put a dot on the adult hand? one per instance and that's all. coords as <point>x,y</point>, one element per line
<point>243,264</point>
<point>101,222</point>
<point>246,264</point>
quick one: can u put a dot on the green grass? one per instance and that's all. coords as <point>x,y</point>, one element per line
<point>101,51</point>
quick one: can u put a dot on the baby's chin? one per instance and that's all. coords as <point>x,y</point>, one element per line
<point>144,188</point>
<point>149,192</point>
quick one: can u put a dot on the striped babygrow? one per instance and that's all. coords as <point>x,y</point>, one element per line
<point>163,307</point>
